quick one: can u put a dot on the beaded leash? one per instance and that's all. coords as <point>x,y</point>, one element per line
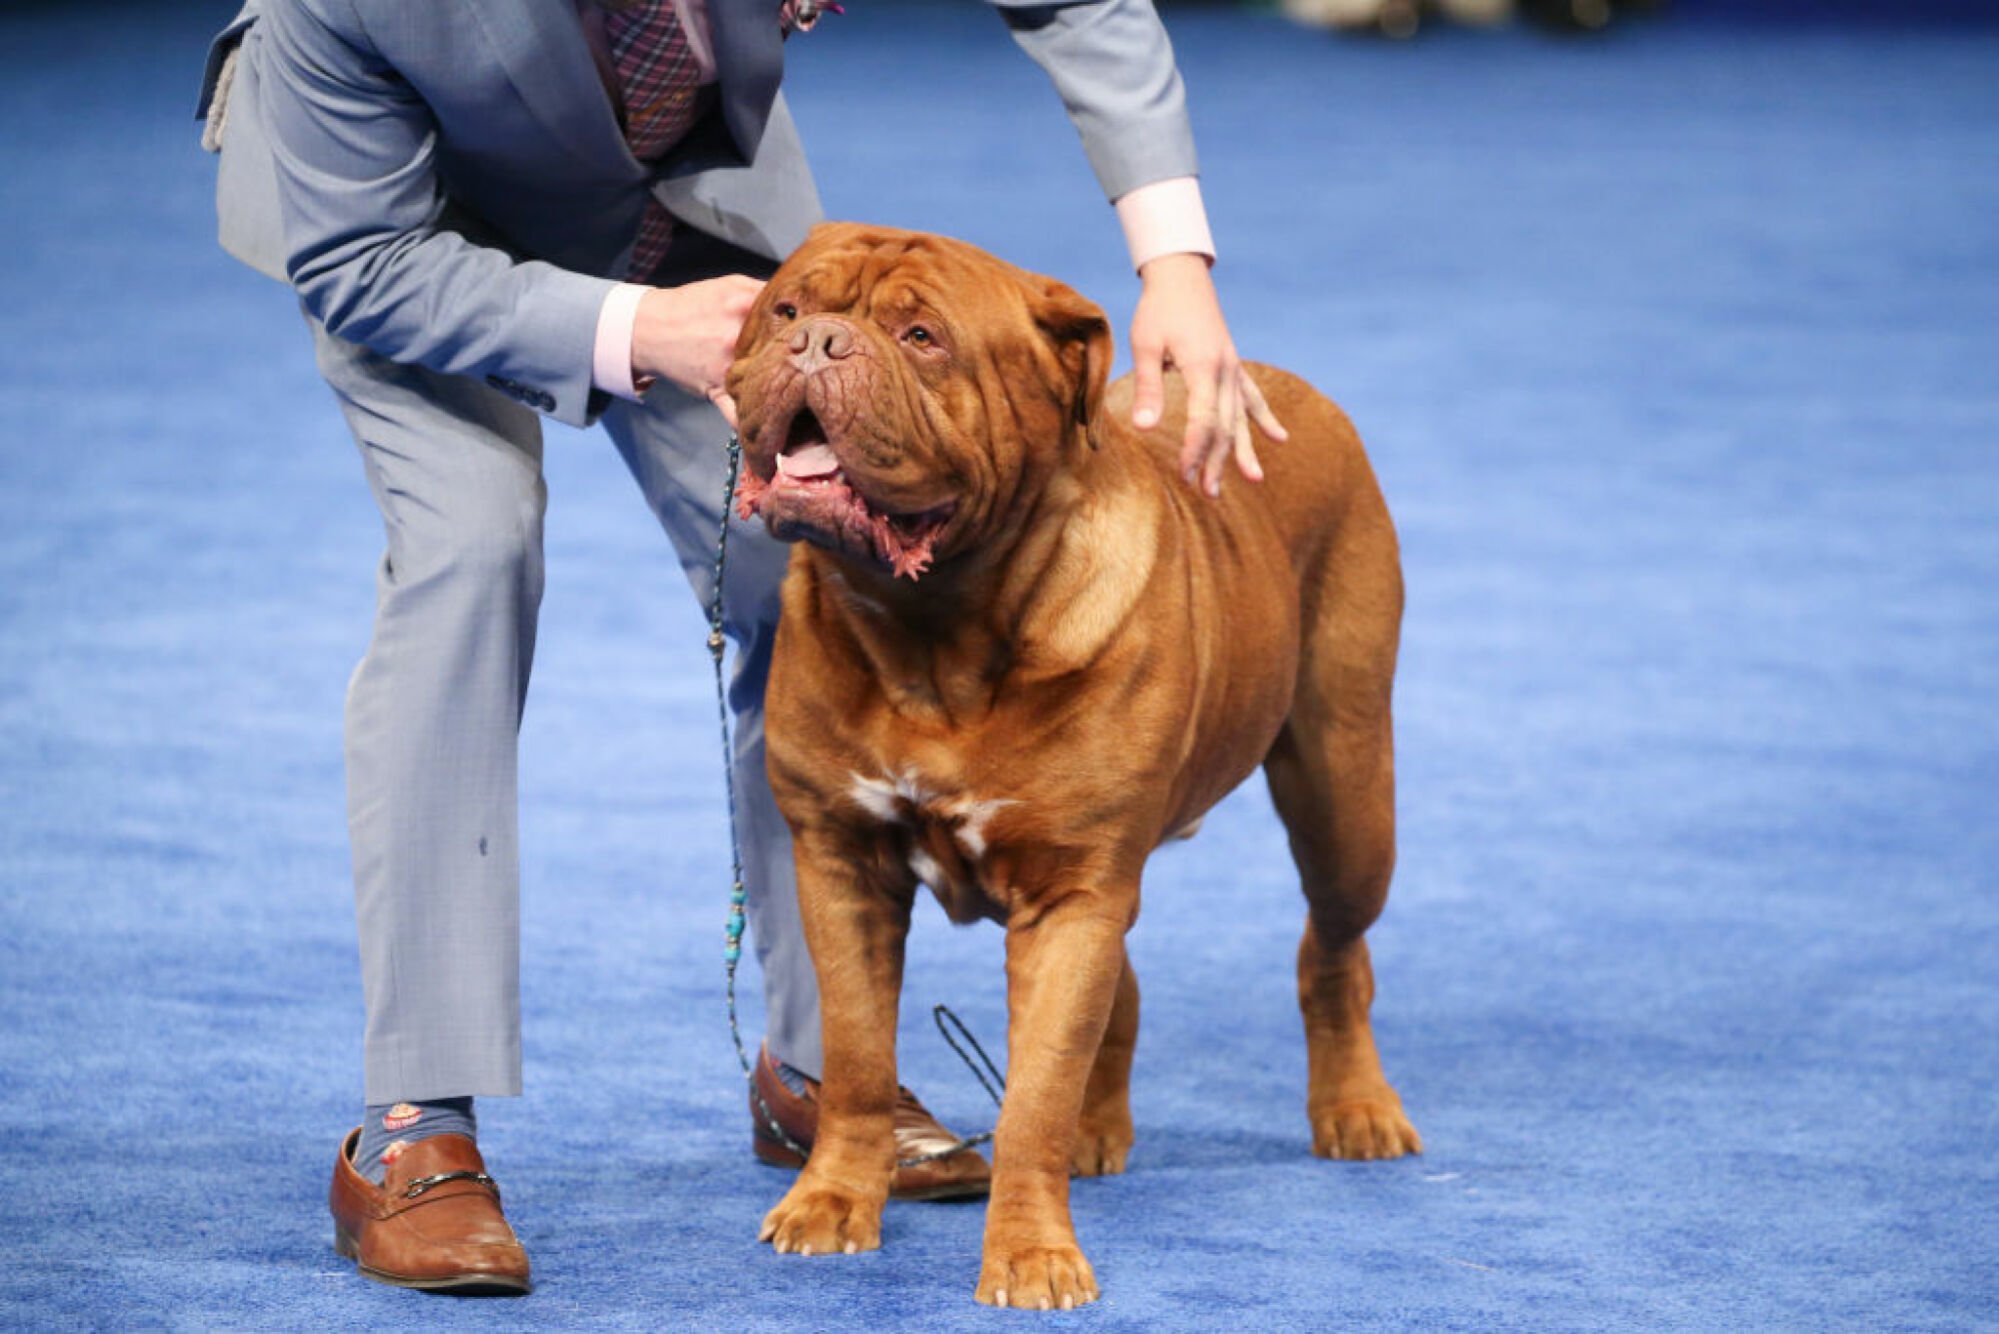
<point>732,949</point>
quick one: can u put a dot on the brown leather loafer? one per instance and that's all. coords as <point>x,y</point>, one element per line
<point>433,1223</point>
<point>917,1132</point>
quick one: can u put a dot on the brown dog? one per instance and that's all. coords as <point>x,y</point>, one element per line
<point>1016,654</point>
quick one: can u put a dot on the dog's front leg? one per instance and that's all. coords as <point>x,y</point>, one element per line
<point>1062,970</point>
<point>856,923</point>
<point>1103,1132</point>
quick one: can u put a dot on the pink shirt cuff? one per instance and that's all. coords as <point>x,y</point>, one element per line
<point>611,363</point>
<point>1165,218</point>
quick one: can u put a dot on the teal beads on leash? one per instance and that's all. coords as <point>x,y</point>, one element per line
<point>732,950</point>
<point>738,896</point>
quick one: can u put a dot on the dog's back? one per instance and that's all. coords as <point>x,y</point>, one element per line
<point>1314,482</point>
<point>1321,507</point>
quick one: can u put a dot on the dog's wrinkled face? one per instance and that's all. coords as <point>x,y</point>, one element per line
<point>900,394</point>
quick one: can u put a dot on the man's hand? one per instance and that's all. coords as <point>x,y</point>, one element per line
<point>688,335</point>
<point>1179,323</point>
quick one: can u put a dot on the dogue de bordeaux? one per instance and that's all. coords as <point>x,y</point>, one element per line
<point>1017,653</point>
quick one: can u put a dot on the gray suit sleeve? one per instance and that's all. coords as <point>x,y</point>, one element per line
<point>1113,65</point>
<point>355,154</point>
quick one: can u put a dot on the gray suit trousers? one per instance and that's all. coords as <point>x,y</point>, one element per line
<point>434,710</point>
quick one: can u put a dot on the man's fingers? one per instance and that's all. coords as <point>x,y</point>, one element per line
<point>740,287</point>
<point>1245,452</point>
<point>688,334</point>
<point>1259,410</point>
<point>1250,404</point>
<point>1200,419</point>
<point>1228,418</point>
<point>720,398</point>
<point>715,372</point>
<point>726,300</point>
<point>1148,394</point>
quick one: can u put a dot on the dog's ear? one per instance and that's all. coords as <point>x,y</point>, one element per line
<point>1081,336</point>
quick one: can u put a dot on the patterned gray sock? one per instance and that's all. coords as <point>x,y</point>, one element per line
<point>390,1127</point>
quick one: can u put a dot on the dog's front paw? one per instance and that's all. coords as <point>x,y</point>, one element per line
<point>814,1219</point>
<point>1100,1151</point>
<point>1364,1129</point>
<point>1036,1278</point>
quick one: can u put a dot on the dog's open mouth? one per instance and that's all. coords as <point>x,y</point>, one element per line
<point>809,496</point>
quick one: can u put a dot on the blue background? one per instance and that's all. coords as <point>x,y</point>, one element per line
<point>1676,353</point>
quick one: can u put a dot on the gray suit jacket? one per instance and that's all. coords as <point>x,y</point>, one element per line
<point>445,182</point>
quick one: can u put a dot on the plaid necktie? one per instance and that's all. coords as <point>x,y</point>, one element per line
<point>658,77</point>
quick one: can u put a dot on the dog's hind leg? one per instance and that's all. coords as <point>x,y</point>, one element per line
<point>1332,778</point>
<point>1103,1134</point>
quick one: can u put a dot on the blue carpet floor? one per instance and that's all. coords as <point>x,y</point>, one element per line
<point>1678,353</point>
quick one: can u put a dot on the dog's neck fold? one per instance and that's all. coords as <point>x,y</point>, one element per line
<point>1036,599</point>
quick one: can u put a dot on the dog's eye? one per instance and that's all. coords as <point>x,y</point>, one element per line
<point>786,311</point>
<point>919,335</point>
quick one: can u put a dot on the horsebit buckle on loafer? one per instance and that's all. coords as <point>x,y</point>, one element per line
<point>422,1184</point>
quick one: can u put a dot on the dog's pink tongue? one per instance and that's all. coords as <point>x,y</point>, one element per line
<point>809,461</point>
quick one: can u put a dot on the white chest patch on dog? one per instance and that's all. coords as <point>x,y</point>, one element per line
<point>906,800</point>
<point>972,817</point>
<point>891,800</point>
<point>925,868</point>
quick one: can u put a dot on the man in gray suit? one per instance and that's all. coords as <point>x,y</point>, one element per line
<point>458,192</point>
